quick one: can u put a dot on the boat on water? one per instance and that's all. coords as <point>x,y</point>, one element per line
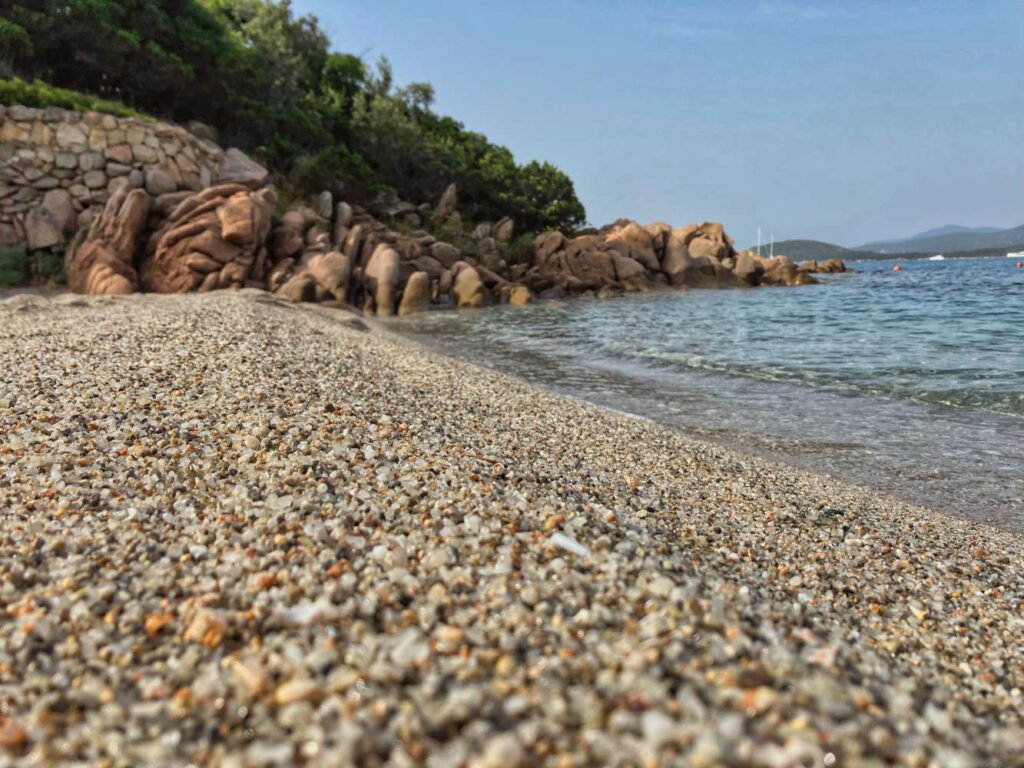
<point>1015,255</point>
<point>937,257</point>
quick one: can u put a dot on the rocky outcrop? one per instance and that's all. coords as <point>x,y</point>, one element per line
<point>519,296</point>
<point>415,295</point>
<point>332,271</point>
<point>387,269</point>
<point>747,268</point>
<point>634,242</point>
<point>52,222</point>
<point>446,205</point>
<point>504,229</point>
<point>591,267</point>
<point>626,256</point>
<point>102,260</point>
<point>399,271</point>
<point>781,270</point>
<point>826,266</point>
<point>241,169</point>
<point>223,237</point>
<point>381,280</point>
<point>154,236</point>
<point>213,239</point>
<point>468,288</point>
<point>628,271</point>
<point>677,265</point>
<point>446,254</point>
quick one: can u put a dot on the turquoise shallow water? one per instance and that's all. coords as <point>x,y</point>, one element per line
<point>909,382</point>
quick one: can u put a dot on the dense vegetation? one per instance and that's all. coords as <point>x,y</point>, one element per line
<point>269,82</point>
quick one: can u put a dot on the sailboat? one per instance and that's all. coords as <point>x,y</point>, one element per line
<point>771,251</point>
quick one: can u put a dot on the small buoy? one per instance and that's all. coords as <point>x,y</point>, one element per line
<point>897,268</point>
<point>1020,264</point>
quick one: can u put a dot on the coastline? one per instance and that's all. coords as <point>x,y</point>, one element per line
<point>419,558</point>
<point>802,387</point>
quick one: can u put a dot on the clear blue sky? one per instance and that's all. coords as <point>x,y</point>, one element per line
<point>842,121</point>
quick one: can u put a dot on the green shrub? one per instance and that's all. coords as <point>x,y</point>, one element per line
<point>519,250</point>
<point>338,169</point>
<point>14,41</point>
<point>13,267</point>
<point>38,94</point>
<point>46,266</point>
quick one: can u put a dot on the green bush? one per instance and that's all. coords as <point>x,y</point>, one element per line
<point>519,250</point>
<point>339,170</point>
<point>46,266</point>
<point>13,267</point>
<point>18,267</point>
<point>38,94</point>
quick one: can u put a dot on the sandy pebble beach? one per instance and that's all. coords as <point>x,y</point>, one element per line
<point>242,532</point>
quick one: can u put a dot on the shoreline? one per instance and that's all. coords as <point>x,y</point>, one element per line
<point>901,442</point>
<point>389,555</point>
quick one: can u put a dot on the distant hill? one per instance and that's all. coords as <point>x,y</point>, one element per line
<point>951,229</point>
<point>949,239</point>
<point>801,250</point>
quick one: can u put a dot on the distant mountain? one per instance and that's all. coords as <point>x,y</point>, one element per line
<point>951,229</point>
<point>801,250</point>
<point>949,239</point>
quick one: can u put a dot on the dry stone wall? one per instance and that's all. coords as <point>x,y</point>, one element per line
<point>59,168</point>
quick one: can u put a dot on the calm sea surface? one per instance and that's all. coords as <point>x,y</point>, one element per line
<point>908,382</point>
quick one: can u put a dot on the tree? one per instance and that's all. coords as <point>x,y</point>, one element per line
<point>546,199</point>
<point>159,55</point>
<point>268,80</point>
<point>15,46</point>
<point>390,139</point>
<point>344,76</point>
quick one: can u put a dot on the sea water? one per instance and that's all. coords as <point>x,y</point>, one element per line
<point>908,382</point>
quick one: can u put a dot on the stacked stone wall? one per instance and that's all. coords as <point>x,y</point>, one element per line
<point>72,162</point>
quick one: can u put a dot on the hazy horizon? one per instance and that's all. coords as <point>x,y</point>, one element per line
<point>840,121</point>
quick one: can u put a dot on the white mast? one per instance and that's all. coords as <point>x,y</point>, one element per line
<point>772,252</point>
<point>758,241</point>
